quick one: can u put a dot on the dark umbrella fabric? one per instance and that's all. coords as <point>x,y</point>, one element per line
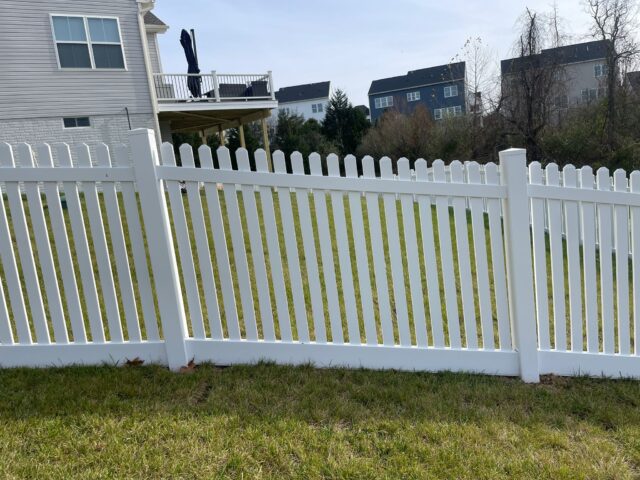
<point>193,83</point>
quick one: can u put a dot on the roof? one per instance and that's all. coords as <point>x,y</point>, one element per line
<point>579,52</point>
<point>298,93</point>
<point>363,108</point>
<point>633,80</point>
<point>152,20</point>
<point>416,78</point>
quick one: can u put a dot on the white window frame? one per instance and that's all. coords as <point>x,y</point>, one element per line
<point>317,108</point>
<point>377,103</point>
<point>437,114</point>
<point>64,127</point>
<point>448,91</point>
<point>88,42</point>
<point>413,96</point>
<point>600,67</point>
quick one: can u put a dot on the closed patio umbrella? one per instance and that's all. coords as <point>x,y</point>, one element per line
<point>193,83</point>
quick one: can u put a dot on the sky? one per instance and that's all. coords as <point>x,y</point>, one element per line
<point>349,42</point>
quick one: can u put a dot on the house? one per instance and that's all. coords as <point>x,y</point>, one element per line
<point>76,71</point>
<point>441,89</point>
<point>579,72</point>
<point>365,111</point>
<point>309,100</point>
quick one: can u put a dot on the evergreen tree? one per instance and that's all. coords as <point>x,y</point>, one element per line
<point>343,124</point>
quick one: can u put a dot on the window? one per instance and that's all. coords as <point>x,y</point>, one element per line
<point>592,94</point>
<point>440,113</point>
<point>413,96</point>
<point>600,70</point>
<point>383,102</point>
<point>100,48</point>
<point>451,91</point>
<point>317,108</point>
<point>76,122</point>
<point>437,114</point>
<point>561,101</point>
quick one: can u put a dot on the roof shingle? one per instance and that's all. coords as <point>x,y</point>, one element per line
<point>308,91</point>
<point>423,76</point>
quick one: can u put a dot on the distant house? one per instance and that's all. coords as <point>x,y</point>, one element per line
<point>440,89</point>
<point>309,100</point>
<point>76,71</point>
<point>580,72</point>
<point>632,82</point>
<point>365,111</point>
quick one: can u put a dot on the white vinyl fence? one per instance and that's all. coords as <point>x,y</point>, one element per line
<point>466,268</point>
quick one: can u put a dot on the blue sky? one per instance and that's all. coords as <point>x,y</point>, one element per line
<point>349,42</point>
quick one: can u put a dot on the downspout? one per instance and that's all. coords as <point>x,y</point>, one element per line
<point>142,9</point>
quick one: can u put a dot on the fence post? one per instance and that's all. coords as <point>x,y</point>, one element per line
<point>216,85</point>
<point>163,261</point>
<point>513,173</point>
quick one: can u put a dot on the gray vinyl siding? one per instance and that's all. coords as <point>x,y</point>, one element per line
<point>32,85</point>
<point>152,45</point>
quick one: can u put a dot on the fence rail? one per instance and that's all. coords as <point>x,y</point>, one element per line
<point>494,269</point>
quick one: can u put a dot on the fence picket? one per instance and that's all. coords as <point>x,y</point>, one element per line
<point>429,252</point>
<point>123,269</point>
<point>257,253</point>
<point>134,227</point>
<point>187,260</point>
<point>326,254</point>
<point>539,259</point>
<point>344,255</point>
<point>291,249</point>
<point>81,248</point>
<point>446,259</point>
<point>621,237</point>
<point>413,260</point>
<point>61,242</point>
<point>554,212</point>
<point>494,210</point>
<point>220,247</point>
<point>480,250</point>
<point>310,255</point>
<point>588,217</point>
<point>395,255</point>
<point>23,240</point>
<point>377,253</point>
<point>96,225</point>
<point>572,234</point>
<point>203,250</point>
<point>603,182</point>
<point>362,262</point>
<point>634,186</point>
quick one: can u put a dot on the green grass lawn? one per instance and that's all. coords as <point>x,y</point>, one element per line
<point>268,421</point>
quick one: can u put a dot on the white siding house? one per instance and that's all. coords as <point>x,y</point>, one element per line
<point>309,100</point>
<point>90,70</point>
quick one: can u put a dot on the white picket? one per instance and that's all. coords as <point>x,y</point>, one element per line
<point>273,246</point>
<point>480,250</point>
<point>344,255</point>
<point>220,246</point>
<point>6,332</point>
<point>326,254</point>
<point>446,259</point>
<point>379,258</point>
<point>588,220</point>
<point>621,238</point>
<point>494,210</point>
<point>413,260</point>
<point>572,235</point>
<point>291,249</point>
<point>603,182</point>
<point>203,250</point>
<point>395,255</point>
<point>81,247</point>
<point>23,240</point>
<point>554,213</point>
<point>634,186</point>
<point>123,269</point>
<point>360,247</point>
<point>257,253</point>
<point>134,227</point>
<point>429,252</point>
<point>96,225</point>
<point>65,261</point>
<point>310,256</point>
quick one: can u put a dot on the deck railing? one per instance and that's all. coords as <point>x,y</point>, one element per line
<point>213,87</point>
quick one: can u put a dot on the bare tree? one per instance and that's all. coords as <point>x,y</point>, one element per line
<point>615,22</point>
<point>532,81</point>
